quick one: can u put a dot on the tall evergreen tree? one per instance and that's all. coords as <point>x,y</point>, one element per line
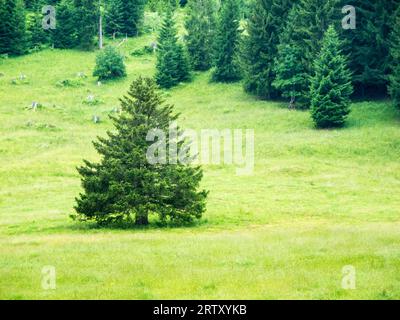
<point>86,15</point>
<point>200,24</point>
<point>114,18</point>
<point>394,84</point>
<point>65,34</point>
<point>301,40</point>
<point>331,85</point>
<point>259,47</point>
<point>225,62</point>
<point>125,185</point>
<point>124,17</point>
<point>12,27</point>
<point>172,63</point>
<point>289,68</point>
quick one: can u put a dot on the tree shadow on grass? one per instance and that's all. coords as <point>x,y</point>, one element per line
<point>127,226</point>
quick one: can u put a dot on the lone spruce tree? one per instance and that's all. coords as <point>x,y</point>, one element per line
<point>394,78</point>
<point>331,86</point>
<point>226,66</point>
<point>172,62</point>
<point>128,185</point>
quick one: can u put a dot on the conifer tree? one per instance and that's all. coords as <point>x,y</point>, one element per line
<point>124,17</point>
<point>331,85</point>
<point>394,84</point>
<point>259,47</point>
<point>200,24</point>
<point>291,76</point>
<point>65,34</point>
<point>368,45</point>
<point>125,186</point>
<point>86,15</point>
<point>301,40</point>
<point>172,63</point>
<point>225,62</point>
<point>114,18</point>
<point>35,34</point>
<point>13,39</point>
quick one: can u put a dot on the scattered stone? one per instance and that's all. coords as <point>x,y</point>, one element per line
<point>91,100</point>
<point>96,119</point>
<point>21,79</point>
<point>34,105</point>
<point>153,45</point>
<point>116,110</point>
<point>81,75</point>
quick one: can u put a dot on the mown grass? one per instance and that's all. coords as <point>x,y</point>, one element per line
<point>317,201</point>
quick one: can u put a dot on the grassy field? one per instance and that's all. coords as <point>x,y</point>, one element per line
<point>317,201</point>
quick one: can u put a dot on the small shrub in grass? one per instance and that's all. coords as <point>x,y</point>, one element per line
<point>73,83</point>
<point>331,86</point>
<point>109,64</point>
<point>92,100</point>
<point>143,51</point>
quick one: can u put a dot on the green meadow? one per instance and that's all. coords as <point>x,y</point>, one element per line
<point>318,200</point>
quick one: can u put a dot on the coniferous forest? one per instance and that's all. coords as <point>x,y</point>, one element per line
<point>199,149</point>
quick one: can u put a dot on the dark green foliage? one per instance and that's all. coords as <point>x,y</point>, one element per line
<point>259,47</point>
<point>301,39</point>
<point>331,85</point>
<point>292,78</point>
<point>65,34</point>
<point>109,64</point>
<point>13,39</point>
<point>124,186</point>
<point>161,5</point>
<point>394,84</point>
<point>290,74</point>
<point>368,45</point>
<point>86,16</point>
<point>124,17</point>
<point>36,36</point>
<point>200,24</point>
<point>226,44</point>
<point>172,63</point>
<point>114,18</point>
